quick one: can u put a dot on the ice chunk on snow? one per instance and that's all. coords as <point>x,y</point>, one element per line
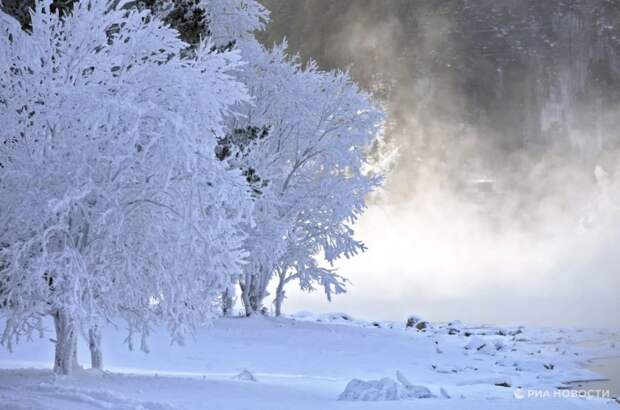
<point>402,379</point>
<point>385,389</point>
<point>373,390</point>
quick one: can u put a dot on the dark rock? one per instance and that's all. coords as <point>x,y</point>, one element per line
<point>421,325</point>
<point>412,321</point>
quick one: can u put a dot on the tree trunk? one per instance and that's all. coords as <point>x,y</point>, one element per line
<point>246,297</point>
<point>75,363</point>
<point>65,355</point>
<point>94,344</point>
<point>280,295</point>
<point>227,302</point>
<point>252,294</point>
<point>256,302</point>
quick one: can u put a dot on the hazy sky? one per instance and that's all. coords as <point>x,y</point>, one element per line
<point>537,243</point>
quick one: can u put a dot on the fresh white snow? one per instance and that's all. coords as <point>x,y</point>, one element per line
<point>306,361</point>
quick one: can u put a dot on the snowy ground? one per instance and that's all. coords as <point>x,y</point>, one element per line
<point>305,362</point>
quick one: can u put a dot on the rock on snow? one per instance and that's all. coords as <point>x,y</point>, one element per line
<point>246,375</point>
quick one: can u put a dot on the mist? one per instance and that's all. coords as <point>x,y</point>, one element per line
<point>500,151</point>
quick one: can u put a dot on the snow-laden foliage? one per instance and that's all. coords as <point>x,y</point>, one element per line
<point>307,166</point>
<point>224,22</point>
<point>153,154</point>
<point>234,20</point>
<point>112,201</point>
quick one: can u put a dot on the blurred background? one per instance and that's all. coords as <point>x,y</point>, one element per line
<point>501,203</point>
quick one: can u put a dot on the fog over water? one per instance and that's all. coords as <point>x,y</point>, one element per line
<point>501,149</point>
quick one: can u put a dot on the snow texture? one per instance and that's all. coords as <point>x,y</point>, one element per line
<point>307,361</point>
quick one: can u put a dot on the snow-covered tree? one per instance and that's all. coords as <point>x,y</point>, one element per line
<point>234,20</point>
<point>291,104</point>
<point>311,166</point>
<point>224,22</point>
<point>113,204</point>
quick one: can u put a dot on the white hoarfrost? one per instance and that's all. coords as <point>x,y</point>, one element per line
<point>303,143</point>
<point>113,205</point>
<point>234,20</point>
<point>141,182</point>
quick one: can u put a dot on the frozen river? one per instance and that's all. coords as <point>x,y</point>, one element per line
<point>610,369</point>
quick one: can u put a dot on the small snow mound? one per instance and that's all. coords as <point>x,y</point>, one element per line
<point>455,327</point>
<point>457,324</point>
<point>93,372</point>
<point>246,376</point>
<point>490,347</point>
<point>500,345</point>
<point>340,316</point>
<point>528,366</point>
<point>476,343</point>
<point>386,389</point>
